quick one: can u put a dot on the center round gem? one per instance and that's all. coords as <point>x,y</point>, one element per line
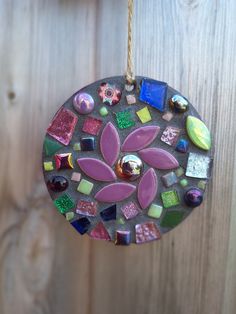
<point>129,167</point>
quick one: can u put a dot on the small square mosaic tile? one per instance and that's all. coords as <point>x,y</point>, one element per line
<point>144,115</point>
<point>125,119</point>
<point>64,203</point>
<point>170,198</point>
<point>130,210</point>
<point>123,237</point>
<point>85,187</point>
<point>170,135</point>
<point>198,166</point>
<point>48,165</point>
<point>87,144</point>
<point>76,176</point>
<point>169,179</point>
<point>92,126</point>
<point>168,116</point>
<point>155,211</point>
<point>131,99</point>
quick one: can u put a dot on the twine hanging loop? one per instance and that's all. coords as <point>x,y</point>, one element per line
<point>130,62</point>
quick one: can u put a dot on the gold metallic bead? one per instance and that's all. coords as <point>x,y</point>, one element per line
<point>129,167</point>
<point>178,104</point>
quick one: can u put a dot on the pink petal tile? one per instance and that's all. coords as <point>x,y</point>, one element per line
<point>147,188</point>
<point>110,144</point>
<point>115,192</point>
<point>140,138</point>
<point>96,169</point>
<point>159,158</point>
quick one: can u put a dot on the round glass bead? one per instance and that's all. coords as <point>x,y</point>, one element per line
<point>83,103</point>
<point>129,167</point>
<point>193,197</point>
<point>178,103</point>
<point>57,184</point>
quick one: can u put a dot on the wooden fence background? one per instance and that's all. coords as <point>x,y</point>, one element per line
<point>48,50</point>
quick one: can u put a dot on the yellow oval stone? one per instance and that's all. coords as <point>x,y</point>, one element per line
<point>198,133</point>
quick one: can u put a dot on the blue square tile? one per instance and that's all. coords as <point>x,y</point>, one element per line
<point>153,93</point>
<point>109,213</point>
<point>81,225</point>
<point>87,144</point>
<point>182,146</point>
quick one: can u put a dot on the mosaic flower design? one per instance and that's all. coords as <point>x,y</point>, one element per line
<point>136,142</point>
<point>127,164</point>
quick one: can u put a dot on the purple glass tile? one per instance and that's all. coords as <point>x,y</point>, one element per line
<point>123,237</point>
<point>130,210</point>
<point>170,135</point>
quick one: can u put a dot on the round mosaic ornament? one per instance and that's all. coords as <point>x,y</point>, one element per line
<point>126,163</point>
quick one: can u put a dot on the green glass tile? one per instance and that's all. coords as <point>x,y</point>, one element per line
<point>198,133</point>
<point>64,203</point>
<point>183,182</point>
<point>51,147</point>
<point>70,216</point>
<point>144,115</point>
<point>121,221</point>
<point>202,184</point>
<point>48,165</point>
<point>103,111</point>
<point>125,119</point>
<point>76,146</point>
<point>170,198</point>
<point>85,187</point>
<point>172,219</point>
<point>179,172</point>
<point>155,211</point>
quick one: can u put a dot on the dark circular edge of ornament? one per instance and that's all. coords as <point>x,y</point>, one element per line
<point>121,81</point>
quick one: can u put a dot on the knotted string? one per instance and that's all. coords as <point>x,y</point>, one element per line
<point>130,62</point>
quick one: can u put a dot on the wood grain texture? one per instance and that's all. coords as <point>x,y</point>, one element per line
<point>48,50</point>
